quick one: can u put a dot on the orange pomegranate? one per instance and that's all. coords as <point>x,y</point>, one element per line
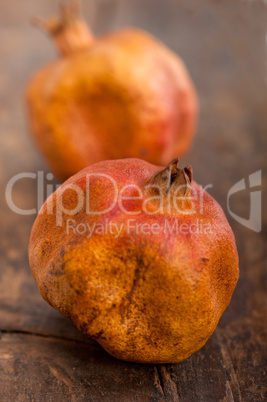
<point>120,95</point>
<point>138,257</point>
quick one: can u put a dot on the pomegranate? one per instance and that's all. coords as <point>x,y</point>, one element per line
<point>120,95</point>
<point>138,257</point>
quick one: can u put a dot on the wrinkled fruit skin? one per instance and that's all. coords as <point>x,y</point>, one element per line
<point>145,298</point>
<point>127,95</point>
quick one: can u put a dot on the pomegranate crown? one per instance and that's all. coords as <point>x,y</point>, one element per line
<point>172,175</point>
<point>70,14</point>
<point>69,31</point>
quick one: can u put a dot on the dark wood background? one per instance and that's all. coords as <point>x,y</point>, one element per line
<point>42,356</point>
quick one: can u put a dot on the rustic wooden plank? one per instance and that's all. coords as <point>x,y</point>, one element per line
<point>47,369</point>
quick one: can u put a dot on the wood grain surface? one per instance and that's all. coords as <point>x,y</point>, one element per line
<point>42,356</point>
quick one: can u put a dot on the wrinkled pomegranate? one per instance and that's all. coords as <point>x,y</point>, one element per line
<point>121,95</point>
<point>138,257</point>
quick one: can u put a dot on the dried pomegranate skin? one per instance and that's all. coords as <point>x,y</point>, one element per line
<point>125,95</point>
<point>145,297</point>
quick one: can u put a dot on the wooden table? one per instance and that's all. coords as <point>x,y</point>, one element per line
<point>42,356</point>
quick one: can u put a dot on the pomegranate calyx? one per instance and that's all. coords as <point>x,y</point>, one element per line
<point>169,190</point>
<point>172,177</point>
<point>69,31</point>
